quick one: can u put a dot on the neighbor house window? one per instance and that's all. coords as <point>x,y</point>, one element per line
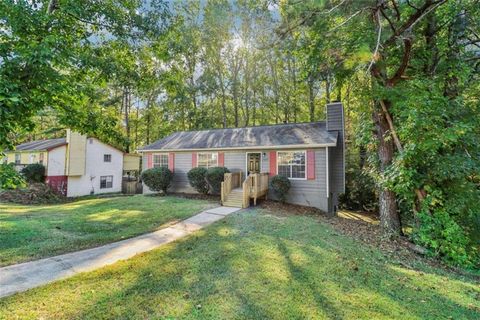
<point>107,158</point>
<point>291,164</point>
<point>160,160</point>
<point>17,158</point>
<point>207,160</point>
<point>106,182</point>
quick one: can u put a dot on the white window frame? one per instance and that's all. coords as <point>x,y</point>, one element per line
<point>19,156</point>
<point>306,164</point>
<point>160,165</point>
<point>106,182</point>
<point>109,156</point>
<point>207,167</point>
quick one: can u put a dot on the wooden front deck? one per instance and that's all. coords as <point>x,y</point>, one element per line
<point>238,193</point>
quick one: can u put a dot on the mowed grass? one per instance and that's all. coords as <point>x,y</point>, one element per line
<point>33,232</point>
<point>254,265</point>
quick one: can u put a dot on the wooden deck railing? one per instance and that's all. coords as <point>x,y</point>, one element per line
<point>254,186</point>
<point>247,184</point>
<point>231,180</point>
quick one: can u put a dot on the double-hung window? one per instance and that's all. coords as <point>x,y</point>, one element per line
<point>17,158</point>
<point>160,160</point>
<point>107,158</point>
<point>207,159</point>
<point>106,182</point>
<point>291,164</point>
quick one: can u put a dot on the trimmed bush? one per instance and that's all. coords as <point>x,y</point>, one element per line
<point>215,177</point>
<point>158,179</point>
<point>10,178</point>
<point>34,172</point>
<point>280,185</point>
<point>198,180</point>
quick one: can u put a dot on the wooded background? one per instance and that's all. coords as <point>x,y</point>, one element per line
<point>134,71</point>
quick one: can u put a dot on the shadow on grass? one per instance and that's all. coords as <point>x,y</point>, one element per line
<point>254,267</point>
<point>28,233</point>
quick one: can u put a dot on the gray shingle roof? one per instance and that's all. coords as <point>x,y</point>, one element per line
<point>41,144</point>
<point>285,135</point>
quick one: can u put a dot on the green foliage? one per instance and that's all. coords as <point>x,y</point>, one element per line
<point>158,179</point>
<point>197,177</point>
<point>34,172</point>
<point>215,176</point>
<point>359,191</point>
<point>51,55</point>
<point>280,185</point>
<point>10,178</point>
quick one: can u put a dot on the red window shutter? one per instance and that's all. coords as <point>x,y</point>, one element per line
<point>310,165</point>
<point>221,159</point>
<point>171,161</point>
<point>273,163</point>
<point>194,159</point>
<point>149,160</point>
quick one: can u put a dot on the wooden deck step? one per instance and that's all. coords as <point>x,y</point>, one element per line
<point>234,199</point>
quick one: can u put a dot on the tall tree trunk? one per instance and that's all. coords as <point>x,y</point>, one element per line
<point>295,93</point>
<point>126,100</point>
<point>456,33</point>
<point>246,97</point>
<point>389,218</point>
<point>136,125</point>
<point>327,89</point>
<point>235,102</point>
<point>224,108</point>
<point>311,97</point>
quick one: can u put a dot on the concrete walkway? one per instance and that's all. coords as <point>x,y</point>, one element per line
<point>24,276</point>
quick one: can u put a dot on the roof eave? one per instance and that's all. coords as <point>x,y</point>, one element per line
<point>283,147</point>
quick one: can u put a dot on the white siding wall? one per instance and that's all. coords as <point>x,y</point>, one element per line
<point>95,168</point>
<point>56,161</point>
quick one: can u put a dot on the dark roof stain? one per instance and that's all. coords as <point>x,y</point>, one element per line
<point>41,144</point>
<point>312,133</point>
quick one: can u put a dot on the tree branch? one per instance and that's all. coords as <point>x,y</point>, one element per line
<point>403,66</point>
<point>388,19</point>
<point>418,15</point>
<point>397,11</point>
<point>377,46</point>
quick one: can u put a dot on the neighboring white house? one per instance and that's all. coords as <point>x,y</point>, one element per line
<point>78,165</point>
<point>103,171</point>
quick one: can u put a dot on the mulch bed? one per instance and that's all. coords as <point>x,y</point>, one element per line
<point>36,193</point>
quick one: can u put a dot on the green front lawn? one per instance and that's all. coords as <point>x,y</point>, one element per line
<point>254,265</point>
<point>33,232</point>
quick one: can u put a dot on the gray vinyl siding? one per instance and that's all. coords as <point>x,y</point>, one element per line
<point>183,164</point>
<point>235,161</point>
<point>311,193</point>
<point>303,192</point>
<point>337,168</point>
<point>335,123</point>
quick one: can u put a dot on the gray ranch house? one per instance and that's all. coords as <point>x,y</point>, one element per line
<point>311,155</point>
